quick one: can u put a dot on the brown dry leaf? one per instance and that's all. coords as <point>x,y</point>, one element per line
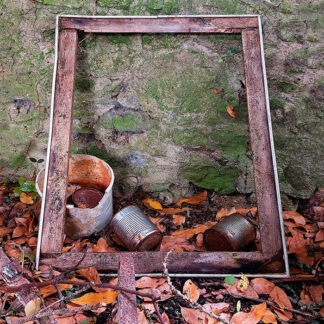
<point>50,289</point>
<point>152,203</point>
<point>178,220</point>
<point>148,282</point>
<point>316,292</point>
<point>298,218</point>
<point>162,291</point>
<point>279,296</point>
<point>141,318</point>
<point>21,221</point>
<point>188,233</point>
<point>322,311</point>
<point>165,318</point>
<point>108,297</point>
<point>253,317</point>
<point>26,199</point>
<point>157,221</point>
<point>33,306</point>
<point>262,286</point>
<point>233,289</point>
<point>244,211</point>
<point>200,240</point>
<point>18,231</point>
<point>225,212</point>
<point>305,297</point>
<point>195,200</point>
<point>11,250</point>
<point>91,274</point>
<point>243,283</point>
<point>5,230</point>
<point>230,111</point>
<point>269,318</point>
<point>65,320</point>
<point>171,211</point>
<point>191,290</point>
<point>170,242</point>
<point>32,241</point>
<point>195,316</point>
<point>12,319</point>
<point>296,244</point>
<point>102,246</point>
<point>319,236</point>
<point>306,260</point>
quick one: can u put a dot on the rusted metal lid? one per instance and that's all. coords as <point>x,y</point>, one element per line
<point>88,197</point>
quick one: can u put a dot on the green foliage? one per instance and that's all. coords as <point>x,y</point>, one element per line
<point>230,280</point>
<point>25,186</point>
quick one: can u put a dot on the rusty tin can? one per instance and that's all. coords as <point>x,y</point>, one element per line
<point>233,233</point>
<point>135,229</point>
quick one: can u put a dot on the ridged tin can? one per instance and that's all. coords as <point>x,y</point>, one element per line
<point>233,233</point>
<point>135,229</point>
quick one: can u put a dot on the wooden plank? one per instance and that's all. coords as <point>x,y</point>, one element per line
<point>180,262</point>
<point>161,24</point>
<point>260,144</point>
<point>52,236</point>
<point>127,306</point>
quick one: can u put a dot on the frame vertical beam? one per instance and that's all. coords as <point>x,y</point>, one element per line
<point>127,309</point>
<point>264,179</point>
<point>54,214</point>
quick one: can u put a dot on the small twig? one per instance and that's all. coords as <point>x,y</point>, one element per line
<point>156,307</point>
<point>270,303</point>
<point>293,279</point>
<point>59,292</point>
<point>192,303</point>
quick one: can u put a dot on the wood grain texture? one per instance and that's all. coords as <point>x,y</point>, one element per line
<point>260,144</point>
<point>54,214</point>
<point>161,24</point>
<point>150,262</point>
<point>127,305</point>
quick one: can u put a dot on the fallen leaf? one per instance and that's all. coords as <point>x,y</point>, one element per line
<point>141,318</point>
<point>152,203</point>
<point>243,283</point>
<point>316,293</point>
<point>279,296</point>
<point>319,236</point>
<point>188,233</point>
<point>65,320</point>
<point>178,220</point>
<point>171,211</point>
<point>18,231</point>
<point>165,318</point>
<point>215,91</point>
<point>170,242</point>
<point>26,199</point>
<point>11,250</point>
<point>32,241</point>
<point>5,230</point>
<point>191,290</point>
<point>200,240</point>
<point>223,212</point>
<point>107,297</point>
<point>148,282</point>
<point>269,318</point>
<point>50,289</point>
<point>233,289</point>
<point>262,286</point>
<point>253,317</point>
<point>157,221</point>
<point>195,200</point>
<point>296,243</point>
<point>230,111</point>
<point>33,306</point>
<point>162,291</point>
<point>91,274</point>
<point>322,311</point>
<point>102,246</point>
<point>298,218</point>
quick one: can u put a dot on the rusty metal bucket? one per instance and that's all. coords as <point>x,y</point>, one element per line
<point>233,233</point>
<point>91,172</point>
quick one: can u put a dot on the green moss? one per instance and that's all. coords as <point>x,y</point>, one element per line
<point>277,103</point>
<point>105,122</point>
<point>83,84</point>
<point>129,122</point>
<point>167,7</point>
<point>63,3</point>
<point>209,175</point>
<point>115,4</point>
<point>189,137</point>
<point>320,81</point>
<point>287,7</point>
<point>120,39</point>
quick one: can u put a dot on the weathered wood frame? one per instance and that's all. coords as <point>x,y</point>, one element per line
<point>272,259</point>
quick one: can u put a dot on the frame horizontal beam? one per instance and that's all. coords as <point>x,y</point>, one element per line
<point>161,24</point>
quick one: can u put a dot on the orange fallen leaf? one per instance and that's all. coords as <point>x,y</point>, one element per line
<point>152,203</point>
<point>230,111</point>
<point>82,206</point>
<point>200,240</point>
<point>233,289</point>
<point>316,292</point>
<point>32,241</point>
<point>165,318</point>
<point>157,221</point>
<point>11,250</point>
<point>195,200</point>
<point>322,311</point>
<point>148,282</point>
<point>262,286</point>
<point>215,91</point>
<point>163,292</point>
<point>102,246</point>
<point>5,230</point>
<point>91,274</point>
<point>223,212</point>
<point>171,211</point>
<point>50,289</point>
<point>280,297</point>
<point>191,290</point>
<point>269,318</point>
<point>107,297</point>
<point>168,243</point>
<point>298,218</point>
<point>319,236</point>
<point>296,244</point>
<point>253,317</point>
<point>18,231</point>
<point>178,220</point>
<point>188,233</point>
<point>26,199</point>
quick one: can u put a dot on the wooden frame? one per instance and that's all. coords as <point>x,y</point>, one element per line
<point>273,256</point>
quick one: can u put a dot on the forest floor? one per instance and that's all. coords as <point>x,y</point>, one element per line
<point>86,296</point>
